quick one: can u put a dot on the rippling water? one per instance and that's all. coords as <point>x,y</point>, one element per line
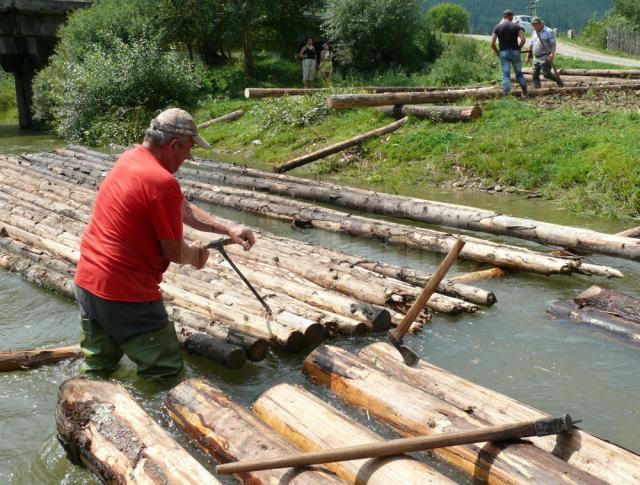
<point>513,348</point>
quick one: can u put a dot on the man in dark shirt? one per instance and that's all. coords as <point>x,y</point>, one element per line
<point>511,39</point>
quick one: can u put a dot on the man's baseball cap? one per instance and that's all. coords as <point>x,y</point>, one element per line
<point>536,20</point>
<point>178,122</point>
<point>507,12</point>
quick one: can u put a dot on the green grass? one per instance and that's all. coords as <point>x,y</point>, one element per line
<point>8,109</point>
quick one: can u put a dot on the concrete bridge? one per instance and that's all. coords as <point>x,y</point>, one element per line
<point>27,39</point>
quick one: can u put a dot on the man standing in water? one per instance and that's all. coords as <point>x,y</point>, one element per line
<point>511,39</point>
<point>134,233</point>
<point>543,49</point>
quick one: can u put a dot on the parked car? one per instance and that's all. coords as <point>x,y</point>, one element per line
<point>525,22</point>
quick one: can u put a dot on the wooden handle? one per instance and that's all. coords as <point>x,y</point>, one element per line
<point>540,427</point>
<point>428,290</point>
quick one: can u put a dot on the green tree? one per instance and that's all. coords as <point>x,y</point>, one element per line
<point>371,35</point>
<point>629,10</point>
<point>448,17</point>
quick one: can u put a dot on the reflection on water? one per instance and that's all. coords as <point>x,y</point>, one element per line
<point>513,348</point>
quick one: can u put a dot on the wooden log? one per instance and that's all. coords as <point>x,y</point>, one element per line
<point>595,456</point>
<point>633,232</point>
<point>482,275</point>
<point>413,412</point>
<point>622,73</point>
<point>434,113</point>
<point>101,426</point>
<point>253,93</point>
<point>610,302</point>
<point>227,432</point>
<point>207,346</point>
<point>234,115</point>
<point>312,425</point>
<point>29,359</point>
<point>341,101</point>
<point>627,330</point>
<point>338,147</point>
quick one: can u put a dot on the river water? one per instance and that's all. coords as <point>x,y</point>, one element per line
<point>513,347</point>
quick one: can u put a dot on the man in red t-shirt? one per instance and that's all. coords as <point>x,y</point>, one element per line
<point>134,233</point>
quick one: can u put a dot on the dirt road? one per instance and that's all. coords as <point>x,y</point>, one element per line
<point>579,52</point>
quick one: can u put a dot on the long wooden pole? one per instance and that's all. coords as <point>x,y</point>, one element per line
<point>234,115</point>
<point>338,147</point>
<point>541,427</point>
<point>28,359</point>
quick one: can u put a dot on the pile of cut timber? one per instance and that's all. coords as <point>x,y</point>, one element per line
<point>428,400</point>
<point>616,313</point>
<point>85,166</point>
<point>314,292</point>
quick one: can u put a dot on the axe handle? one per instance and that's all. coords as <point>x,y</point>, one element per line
<point>428,290</point>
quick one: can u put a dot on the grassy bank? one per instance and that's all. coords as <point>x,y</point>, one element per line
<point>8,109</point>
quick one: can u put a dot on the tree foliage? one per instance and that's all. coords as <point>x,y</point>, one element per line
<point>629,10</point>
<point>373,35</point>
<point>448,17</point>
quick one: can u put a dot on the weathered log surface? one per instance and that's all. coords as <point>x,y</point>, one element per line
<point>623,73</point>
<point>341,101</point>
<point>615,326</point>
<point>411,411</point>
<point>611,302</point>
<point>227,432</point>
<point>338,147</point>
<point>597,457</point>
<point>234,115</point>
<point>450,114</point>
<point>102,427</point>
<point>485,274</point>
<point>312,425</point>
<point>29,359</point>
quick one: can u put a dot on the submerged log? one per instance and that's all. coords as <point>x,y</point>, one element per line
<point>611,302</point>
<point>312,425</point>
<point>101,426</point>
<point>341,101</point>
<point>29,359</point>
<point>413,412</point>
<point>434,113</point>
<point>227,432</point>
<point>595,456</point>
<point>617,327</point>
<point>338,147</point>
<point>234,115</point>
<point>633,232</point>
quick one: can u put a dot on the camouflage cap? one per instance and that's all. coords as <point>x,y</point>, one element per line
<point>536,20</point>
<point>178,122</point>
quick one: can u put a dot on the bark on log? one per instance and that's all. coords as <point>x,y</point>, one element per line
<point>482,275</point>
<point>434,113</point>
<point>621,73</point>
<point>227,432</point>
<point>610,302</point>
<point>597,457</point>
<point>312,425</point>
<point>234,115</point>
<point>29,359</point>
<point>101,426</point>
<point>412,412</point>
<point>341,101</point>
<point>633,232</point>
<point>338,147</point>
<point>615,326</point>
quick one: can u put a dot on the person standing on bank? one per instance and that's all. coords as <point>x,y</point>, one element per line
<point>135,231</point>
<point>511,39</point>
<point>308,56</point>
<point>326,63</point>
<point>543,50</point>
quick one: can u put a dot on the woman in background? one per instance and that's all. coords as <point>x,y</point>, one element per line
<point>308,56</point>
<point>326,64</point>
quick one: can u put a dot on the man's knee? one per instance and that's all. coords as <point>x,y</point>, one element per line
<point>157,354</point>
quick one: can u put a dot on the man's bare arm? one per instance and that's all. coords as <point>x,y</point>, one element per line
<point>522,38</point>
<point>494,38</point>
<point>199,219</point>
<point>180,252</point>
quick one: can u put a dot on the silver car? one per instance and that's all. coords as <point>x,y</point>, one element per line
<point>525,22</point>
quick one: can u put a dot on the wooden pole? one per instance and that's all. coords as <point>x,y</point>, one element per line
<point>234,115</point>
<point>633,232</point>
<point>434,113</point>
<point>428,290</point>
<point>624,73</point>
<point>542,427</point>
<point>101,426</point>
<point>482,275</point>
<point>338,147</point>
<point>28,359</point>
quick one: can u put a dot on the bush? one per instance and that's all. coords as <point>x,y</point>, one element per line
<point>448,17</point>
<point>463,62</point>
<point>276,114</point>
<point>371,35</point>
<point>119,85</point>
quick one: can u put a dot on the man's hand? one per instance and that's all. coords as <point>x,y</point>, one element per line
<point>243,236</point>
<point>200,255</point>
<point>528,60</point>
<point>552,56</point>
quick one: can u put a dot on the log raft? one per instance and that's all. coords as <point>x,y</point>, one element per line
<point>102,427</point>
<point>228,432</point>
<point>595,456</point>
<point>310,424</point>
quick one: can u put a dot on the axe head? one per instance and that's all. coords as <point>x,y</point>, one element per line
<point>409,357</point>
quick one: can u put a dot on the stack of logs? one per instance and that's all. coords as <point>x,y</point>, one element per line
<point>412,401</point>
<point>45,203</point>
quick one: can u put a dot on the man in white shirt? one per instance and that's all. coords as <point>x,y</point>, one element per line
<point>543,51</point>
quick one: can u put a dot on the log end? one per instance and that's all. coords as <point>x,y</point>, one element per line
<point>257,351</point>
<point>247,93</point>
<point>314,334</point>
<point>475,112</point>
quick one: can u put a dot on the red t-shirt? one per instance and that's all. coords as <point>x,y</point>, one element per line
<point>139,203</point>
